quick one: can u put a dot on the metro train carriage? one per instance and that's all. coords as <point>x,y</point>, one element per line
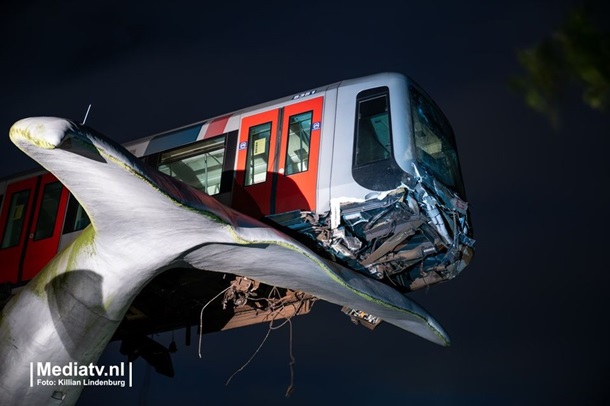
<point>365,172</point>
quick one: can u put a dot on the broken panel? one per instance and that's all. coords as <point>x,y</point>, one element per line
<point>410,237</point>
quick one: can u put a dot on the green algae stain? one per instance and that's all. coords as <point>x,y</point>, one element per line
<point>65,261</point>
<point>83,245</point>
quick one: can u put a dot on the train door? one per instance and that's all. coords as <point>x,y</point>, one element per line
<point>255,161</point>
<point>45,230</point>
<point>30,227</point>
<point>13,221</point>
<point>298,158</point>
<point>277,159</point>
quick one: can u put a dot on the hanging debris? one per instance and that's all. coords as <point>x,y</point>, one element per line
<point>359,317</point>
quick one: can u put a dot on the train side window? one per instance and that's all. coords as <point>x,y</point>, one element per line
<point>15,219</point>
<point>373,134</point>
<point>76,217</point>
<point>48,211</point>
<point>198,165</point>
<point>299,136</point>
<point>258,154</point>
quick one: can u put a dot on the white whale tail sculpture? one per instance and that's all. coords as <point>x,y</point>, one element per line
<point>145,223</point>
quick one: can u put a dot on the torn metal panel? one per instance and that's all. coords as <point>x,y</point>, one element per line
<point>410,237</point>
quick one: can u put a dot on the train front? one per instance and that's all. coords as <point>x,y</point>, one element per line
<point>412,229</point>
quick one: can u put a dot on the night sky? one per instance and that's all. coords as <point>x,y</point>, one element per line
<point>527,318</point>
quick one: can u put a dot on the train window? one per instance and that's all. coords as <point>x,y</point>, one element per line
<point>76,217</point>
<point>198,165</point>
<point>48,211</point>
<point>434,141</point>
<point>258,153</point>
<point>373,135</point>
<point>299,134</point>
<point>14,221</point>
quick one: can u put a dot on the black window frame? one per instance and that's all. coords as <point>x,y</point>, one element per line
<point>287,157</point>
<point>251,149</point>
<point>52,215</point>
<point>382,174</point>
<point>23,224</point>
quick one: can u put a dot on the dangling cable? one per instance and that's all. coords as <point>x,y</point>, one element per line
<point>272,327</point>
<point>273,290</point>
<point>201,315</point>
<point>251,358</point>
<point>291,363</point>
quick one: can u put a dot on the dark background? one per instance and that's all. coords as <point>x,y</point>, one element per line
<point>527,318</point>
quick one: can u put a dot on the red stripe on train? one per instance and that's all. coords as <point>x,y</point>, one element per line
<point>217,126</point>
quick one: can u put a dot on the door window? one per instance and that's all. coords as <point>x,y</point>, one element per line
<point>15,219</point>
<point>299,138</point>
<point>258,154</point>
<point>48,211</point>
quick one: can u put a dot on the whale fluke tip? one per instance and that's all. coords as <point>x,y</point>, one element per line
<point>44,132</point>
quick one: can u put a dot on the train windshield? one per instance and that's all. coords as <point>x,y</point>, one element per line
<point>434,141</point>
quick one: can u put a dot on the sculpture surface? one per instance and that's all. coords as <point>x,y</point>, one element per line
<point>145,223</point>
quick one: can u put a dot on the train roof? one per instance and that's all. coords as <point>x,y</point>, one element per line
<point>217,125</point>
<point>225,123</point>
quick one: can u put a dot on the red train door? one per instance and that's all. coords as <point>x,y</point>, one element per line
<point>31,226</point>
<point>298,158</point>
<point>255,161</point>
<point>14,219</point>
<point>45,231</point>
<point>277,159</point>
